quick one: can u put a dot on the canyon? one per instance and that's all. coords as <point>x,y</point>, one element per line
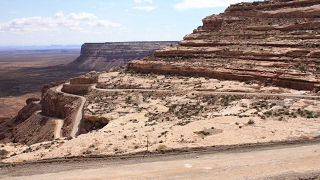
<point>246,77</point>
<point>274,42</point>
<point>103,56</point>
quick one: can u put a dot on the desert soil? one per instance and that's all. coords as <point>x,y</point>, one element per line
<point>280,162</point>
<point>174,119</point>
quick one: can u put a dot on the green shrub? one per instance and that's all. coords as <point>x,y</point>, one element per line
<point>205,133</point>
<point>3,152</point>
<point>162,146</point>
<point>69,137</point>
<point>251,121</point>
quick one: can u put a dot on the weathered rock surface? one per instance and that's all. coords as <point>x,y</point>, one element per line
<point>33,130</point>
<point>30,100</point>
<point>7,128</point>
<point>60,105</point>
<point>89,78</point>
<point>103,56</point>
<point>90,123</point>
<point>275,42</point>
<point>80,85</point>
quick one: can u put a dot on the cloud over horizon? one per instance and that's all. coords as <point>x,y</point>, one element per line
<point>73,21</point>
<point>145,8</point>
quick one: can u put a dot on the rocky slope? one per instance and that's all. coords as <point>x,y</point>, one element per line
<point>9,129</point>
<point>103,56</point>
<point>275,42</point>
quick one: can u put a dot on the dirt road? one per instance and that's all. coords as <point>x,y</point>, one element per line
<point>78,115</point>
<point>281,162</point>
<point>211,92</point>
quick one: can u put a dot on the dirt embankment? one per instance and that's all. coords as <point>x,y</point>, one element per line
<point>264,161</point>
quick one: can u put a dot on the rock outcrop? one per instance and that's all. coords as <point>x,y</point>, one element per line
<point>35,129</point>
<point>275,42</point>
<point>9,128</point>
<point>59,105</point>
<point>80,85</point>
<point>103,56</point>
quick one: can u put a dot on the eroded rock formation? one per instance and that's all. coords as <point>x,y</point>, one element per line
<point>275,42</point>
<point>9,129</point>
<point>103,56</point>
<point>80,85</point>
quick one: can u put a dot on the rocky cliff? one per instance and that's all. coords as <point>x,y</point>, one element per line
<point>275,42</point>
<point>9,129</point>
<point>103,56</point>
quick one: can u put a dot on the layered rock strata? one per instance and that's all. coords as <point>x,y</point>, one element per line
<point>103,56</point>
<point>10,130</point>
<point>60,105</point>
<point>80,85</point>
<point>275,42</point>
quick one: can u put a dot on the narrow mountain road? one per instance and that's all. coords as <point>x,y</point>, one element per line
<point>280,162</point>
<point>58,128</point>
<point>78,115</point>
<point>209,92</point>
<point>58,125</point>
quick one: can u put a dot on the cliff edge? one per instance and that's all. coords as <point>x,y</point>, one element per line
<point>275,42</point>
<point>103,56</point>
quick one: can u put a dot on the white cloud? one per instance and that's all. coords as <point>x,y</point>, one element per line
<point>95,32</point>
<point>198,4</point>
<point>140,1</point>
<point>103,23</point>
<point>76,28</point>
<point>81,16</point>
<point>73,21</point>
<point>145,8</point>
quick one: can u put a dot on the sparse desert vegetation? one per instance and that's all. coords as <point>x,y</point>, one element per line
<point>162,117</point>
<point>231,99</point>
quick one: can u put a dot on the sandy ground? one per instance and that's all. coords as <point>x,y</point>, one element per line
<point>153,121</point>
<point>288,162</point>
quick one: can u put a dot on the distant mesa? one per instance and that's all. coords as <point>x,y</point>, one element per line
<point>275,42</point>
<point>103,56</point>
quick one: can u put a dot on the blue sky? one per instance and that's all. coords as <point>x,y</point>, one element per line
<point>46,22</point>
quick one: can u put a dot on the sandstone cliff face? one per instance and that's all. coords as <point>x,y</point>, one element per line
<point>276,42</point>
<point>80,85</point>
<point>60,105</point>
<point>34,129</point>
<point>103,56</point>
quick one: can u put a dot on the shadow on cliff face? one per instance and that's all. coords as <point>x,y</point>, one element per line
<point>28,80</point>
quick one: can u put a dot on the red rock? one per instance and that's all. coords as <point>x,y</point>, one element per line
<point>273,41</point>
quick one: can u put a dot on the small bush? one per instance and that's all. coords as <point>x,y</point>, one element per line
<point>69,137</point>
<point>205,133</point>
<point>87,152</point>
<point>251,122</point>
<point>162,146</point>
<point>3,152</point>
